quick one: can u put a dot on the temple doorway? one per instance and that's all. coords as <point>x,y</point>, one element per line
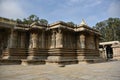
<point>109,52</point>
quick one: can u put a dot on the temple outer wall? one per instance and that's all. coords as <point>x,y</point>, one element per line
<point>64,45</point>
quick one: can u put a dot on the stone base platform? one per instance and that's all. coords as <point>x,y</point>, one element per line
<point>62,62</point>
<point>92,61</point>
<point>44,62</point>
<point>32,62</point>
<point>9,62</point>
<point>116,57</point>
<point>62,56</point>
<point>37,54</point>
<point>15,53</point>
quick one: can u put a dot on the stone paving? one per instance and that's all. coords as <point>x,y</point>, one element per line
<point>82,71</point>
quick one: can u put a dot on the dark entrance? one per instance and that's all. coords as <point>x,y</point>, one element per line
<point>3,40</point>
<point>109,52</point>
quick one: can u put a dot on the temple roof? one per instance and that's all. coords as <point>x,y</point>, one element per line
<point>59,24</point>
<point>109,43</point>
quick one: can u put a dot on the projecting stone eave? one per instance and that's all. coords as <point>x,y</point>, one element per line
<point>7,23</point>
<point>109,43</point>
<point>61,24</point>
<point>36,25</point>
<point>86,28</point>
<point>21,27</point>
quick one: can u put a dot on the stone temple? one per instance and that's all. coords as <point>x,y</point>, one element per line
<point>57,43</point>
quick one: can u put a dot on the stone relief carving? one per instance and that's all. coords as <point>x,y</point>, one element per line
<point>53,43</point>
<point>59,39</point>
<point>33,41</point>
<point>82,41</point>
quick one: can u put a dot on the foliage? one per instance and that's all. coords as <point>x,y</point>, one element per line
<point>109,29</point>
<point>32,18</point>
<point>43,22</point>
<point>71,24</point>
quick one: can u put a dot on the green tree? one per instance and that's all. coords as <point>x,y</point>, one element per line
<point>109,29</point>
<point>71,24</point>
<point>32,18</point>
<point>18,20</point>
<point>43,22</point>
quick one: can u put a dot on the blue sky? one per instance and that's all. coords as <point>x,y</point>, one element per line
<point>92,11</point>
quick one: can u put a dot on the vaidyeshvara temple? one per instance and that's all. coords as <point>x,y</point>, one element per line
<point>57,43</point>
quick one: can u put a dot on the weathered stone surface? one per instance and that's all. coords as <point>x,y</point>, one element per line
<point>55,43</point>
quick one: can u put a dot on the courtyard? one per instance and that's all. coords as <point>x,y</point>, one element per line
<point>83,71</point>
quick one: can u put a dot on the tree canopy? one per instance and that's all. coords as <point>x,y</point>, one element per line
<point>71,24</point>
<point>109,29</point>
<point>32,18</point>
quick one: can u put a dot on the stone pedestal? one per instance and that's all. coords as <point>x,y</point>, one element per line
<point>88,55</point>
<point>11,45</point>
<point>37,49</point>
<point>62,56</point>
<point>37,54</point>
<point>15,53</point>
<point>32,62</point>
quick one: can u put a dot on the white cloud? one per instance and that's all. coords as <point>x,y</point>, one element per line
<point>84,3</point>
<point>11,9</point>
<point>93,3</point>
<point>114,9</point>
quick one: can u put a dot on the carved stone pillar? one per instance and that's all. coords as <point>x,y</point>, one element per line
<point>33,46</point>
<point>82,41</point>
<point>40,40</point>
<point>12,40</point>
<point>59,39</point>
<point>23,40</point>
<point>33,40</point>
<point>1,44</point>
<point>97,43</point>
<point>43,39</point>
<point>53,41</point>
<point>12,44</point>
<point>105,52</point>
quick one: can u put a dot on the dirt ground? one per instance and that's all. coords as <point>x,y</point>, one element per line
<point>97,71</point>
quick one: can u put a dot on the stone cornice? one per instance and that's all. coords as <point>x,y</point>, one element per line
<point>61,23</point>
<point>58,24</point>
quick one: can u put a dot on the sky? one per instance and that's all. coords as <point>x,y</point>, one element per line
<point>92,11</point>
